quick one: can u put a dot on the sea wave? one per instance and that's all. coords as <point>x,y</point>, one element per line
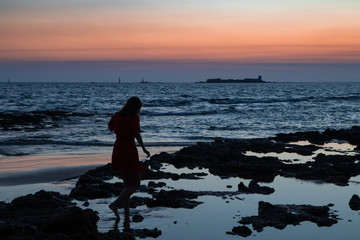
<point>257,100</point>
<point>166,103</point>
<point>13,153</point>
<point>183,113</point>
<point>48,113</point>
<point>35,119</point>
<point>28,141</point>
<point>345,98</point>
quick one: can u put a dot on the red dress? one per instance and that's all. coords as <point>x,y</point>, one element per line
<point>125,157</point>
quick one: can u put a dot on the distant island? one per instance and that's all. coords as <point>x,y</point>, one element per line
<point>245,80</point>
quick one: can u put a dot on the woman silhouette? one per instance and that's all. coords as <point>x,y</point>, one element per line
<point>125,157</point>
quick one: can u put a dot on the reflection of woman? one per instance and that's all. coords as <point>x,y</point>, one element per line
<point>125,158</point>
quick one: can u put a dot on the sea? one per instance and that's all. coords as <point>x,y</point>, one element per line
<point>66,118</point>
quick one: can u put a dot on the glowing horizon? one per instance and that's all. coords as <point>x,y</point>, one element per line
<point>256,31</point>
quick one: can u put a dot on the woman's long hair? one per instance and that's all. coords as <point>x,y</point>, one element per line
<point>131,107</point>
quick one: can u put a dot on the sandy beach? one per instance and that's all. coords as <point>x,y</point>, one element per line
<point>28,174</point>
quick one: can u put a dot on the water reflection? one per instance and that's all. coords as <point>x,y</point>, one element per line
<point>330,148</point>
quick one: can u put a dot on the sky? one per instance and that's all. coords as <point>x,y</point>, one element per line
<point>170,40</point>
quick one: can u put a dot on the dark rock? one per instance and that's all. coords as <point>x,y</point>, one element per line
<point>162,157</point>
<point>351,135</point>
<point>354,202</point>
<point>73,221</point>
<point>94,191</point>
<point>136,201</point>
<point>326,222</point>
<point>311,136</point>
<point>116,235</point>
<point>175,177</point>
<point>97,175</point>
<point>241,231</point>
<point>279,216</point>
<point>306,150</point>
<point>145,233</point>
<point>46,215</point>
<point>317,211</point>
<point>174,199</point>
<point>242,187</point>
<point>137,218</point>
<point>337,169</point>
<point>254,187</point>
<point>91,185</point>
<point>193,176</point>
<point>41,200</point>
<point>156,161</point>
<point>156,175</point>
<point>156,185</point>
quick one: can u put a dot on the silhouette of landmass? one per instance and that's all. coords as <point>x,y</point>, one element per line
<point>245,80</point>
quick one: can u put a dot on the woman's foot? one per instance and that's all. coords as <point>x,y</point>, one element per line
<point>114,208</point>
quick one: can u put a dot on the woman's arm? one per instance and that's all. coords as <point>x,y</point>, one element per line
<point>141,143</point>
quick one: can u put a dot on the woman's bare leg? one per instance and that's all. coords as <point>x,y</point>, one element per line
<point>131,184</point>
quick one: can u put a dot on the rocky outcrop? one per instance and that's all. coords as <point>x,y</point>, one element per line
<point>279,216</point>
<point>226,158</point>
<point>337,169</point>
<point>354,202</point>
<point>174,199</point>
<point>254,187</point>
<point>242,231</point>
<point>351,135</point>
<point>46,215</point>
<point>50,215</point>
<point>95,191</point>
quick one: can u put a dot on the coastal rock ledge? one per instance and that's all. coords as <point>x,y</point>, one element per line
<point>279,216</point>
<point>228,157</point>
<point>50,215</point>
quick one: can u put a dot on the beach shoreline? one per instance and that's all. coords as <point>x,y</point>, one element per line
<point>37,172</point>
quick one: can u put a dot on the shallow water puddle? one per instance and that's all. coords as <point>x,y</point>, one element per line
<point>218,215</point>
<point>286,157</point>
<point>330,148</point>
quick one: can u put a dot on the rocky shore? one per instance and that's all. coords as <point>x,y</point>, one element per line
<point>50,215</point>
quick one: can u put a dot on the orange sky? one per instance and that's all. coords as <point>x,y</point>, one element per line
<point>245,31</point>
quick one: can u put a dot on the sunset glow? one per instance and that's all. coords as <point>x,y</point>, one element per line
<point>220,30</point>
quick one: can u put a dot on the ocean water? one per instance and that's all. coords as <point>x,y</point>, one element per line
<point>58,118</point>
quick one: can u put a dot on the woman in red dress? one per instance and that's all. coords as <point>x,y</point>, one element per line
<point>125,158</point>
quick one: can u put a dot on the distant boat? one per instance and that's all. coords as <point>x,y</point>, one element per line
<point>142,81</point>
<point>119,80</point>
